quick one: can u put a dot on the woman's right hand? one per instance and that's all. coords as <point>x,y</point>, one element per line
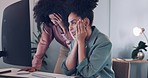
<point>29,69</point>
<point>57,20</point>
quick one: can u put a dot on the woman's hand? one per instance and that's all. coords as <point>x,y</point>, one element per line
<point>57,20</point>
<point>29,69</point>
<point>81,32</point>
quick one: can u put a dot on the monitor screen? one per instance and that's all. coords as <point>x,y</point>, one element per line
<point>16,40</point>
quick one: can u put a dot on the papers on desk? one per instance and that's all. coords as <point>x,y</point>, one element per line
<point>50,75</point>
<point>13,72</point>
<point>22,73</point>
<point>128,59</point>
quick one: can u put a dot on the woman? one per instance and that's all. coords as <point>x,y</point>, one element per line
<point>90,55</point>
<point>53,17</point>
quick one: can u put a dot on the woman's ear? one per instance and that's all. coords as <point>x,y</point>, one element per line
<point>86,22</point>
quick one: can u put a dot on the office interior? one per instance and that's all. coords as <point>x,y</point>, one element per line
<point>115,18</point>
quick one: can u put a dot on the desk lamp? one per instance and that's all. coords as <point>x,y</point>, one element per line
<point>138,31</point>
<point>138,53</point>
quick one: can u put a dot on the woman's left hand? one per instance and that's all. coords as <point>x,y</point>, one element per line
<point>81,32</point>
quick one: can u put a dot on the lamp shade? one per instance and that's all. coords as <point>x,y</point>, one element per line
<point>137,31</point>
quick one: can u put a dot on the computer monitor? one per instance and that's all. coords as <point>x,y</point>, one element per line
<point>16,40</point>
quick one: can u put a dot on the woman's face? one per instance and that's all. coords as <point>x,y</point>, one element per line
<point>72,20</point>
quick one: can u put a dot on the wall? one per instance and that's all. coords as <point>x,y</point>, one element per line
<point>124,16</point>
<point>101,16</point>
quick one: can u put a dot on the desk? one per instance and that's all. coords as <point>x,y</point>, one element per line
<point>128,68</point>
<point>37,74</point>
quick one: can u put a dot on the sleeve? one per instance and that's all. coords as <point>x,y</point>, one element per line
<point>45,40</point>
<point>66,71</point>
<point>97,60</point>
<point>64,67</point>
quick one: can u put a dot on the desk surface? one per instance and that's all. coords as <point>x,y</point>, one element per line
<point>129,60</point>
<point>129,68</point>
<point>36,74</point>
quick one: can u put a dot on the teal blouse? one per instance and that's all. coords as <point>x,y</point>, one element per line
<point>98,62</point>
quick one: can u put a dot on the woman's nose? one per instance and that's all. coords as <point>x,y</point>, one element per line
<point>70,28</point>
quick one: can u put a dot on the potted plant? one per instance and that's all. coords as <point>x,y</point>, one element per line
<point>137,53</point>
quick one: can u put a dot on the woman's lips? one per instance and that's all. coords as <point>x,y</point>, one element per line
<point>73,33</point>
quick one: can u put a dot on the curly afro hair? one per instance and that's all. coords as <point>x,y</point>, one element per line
<point>45,7</point>
<point>83,8</point>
